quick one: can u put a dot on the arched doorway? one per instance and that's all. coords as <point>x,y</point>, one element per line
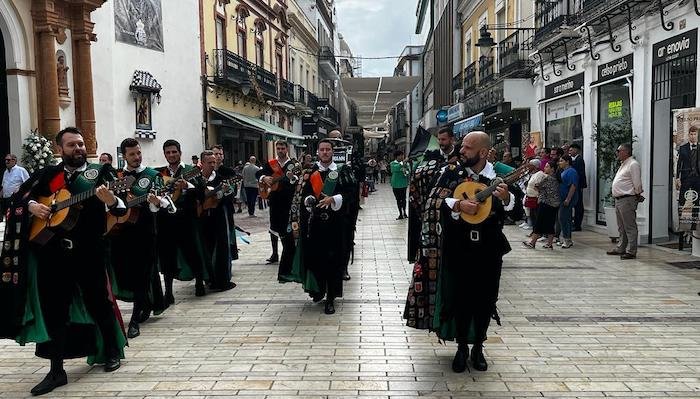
<point>4,110</point>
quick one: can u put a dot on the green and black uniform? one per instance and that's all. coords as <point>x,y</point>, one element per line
<point>69,310</point>
<point>180,248</point>
<point>133,251</point>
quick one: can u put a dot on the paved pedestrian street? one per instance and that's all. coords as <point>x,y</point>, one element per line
<point>576,323</point>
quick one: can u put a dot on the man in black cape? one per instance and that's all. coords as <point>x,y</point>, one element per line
<point>456,279</point>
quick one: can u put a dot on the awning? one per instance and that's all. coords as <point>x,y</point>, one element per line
<point>258,124</point>
<point>463,127</point>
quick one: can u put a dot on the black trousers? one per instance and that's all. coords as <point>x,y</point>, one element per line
<point>287,258</point>
<point>215,234</point>
<point>251,197</point>
<point>60,273</point>
<point>578,210</point>
<point>133,259</point>
<point>400,195</point>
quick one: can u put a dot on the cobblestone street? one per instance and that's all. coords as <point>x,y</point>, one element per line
<point>576,323</point>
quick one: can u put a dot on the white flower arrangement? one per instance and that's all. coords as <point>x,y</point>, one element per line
<point>37,152</point>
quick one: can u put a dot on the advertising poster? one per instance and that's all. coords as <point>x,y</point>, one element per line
<point>139,22</point>
<point>686,126</point>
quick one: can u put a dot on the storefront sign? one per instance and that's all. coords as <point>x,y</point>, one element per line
<point>455,112</point>
<point>676,47</point>
<point>613,69</point>
<point>462,128</point>
<point>566,86</point>
<point>484,99</point>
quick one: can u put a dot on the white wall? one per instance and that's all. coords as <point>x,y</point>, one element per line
<point>177,69</point>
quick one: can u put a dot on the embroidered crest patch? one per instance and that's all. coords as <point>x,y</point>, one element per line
<point>144,182</point>
<point>91,174</point>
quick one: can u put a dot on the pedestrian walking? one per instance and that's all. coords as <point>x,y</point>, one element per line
<point>580,166</point>
<point>399,182</point>
<point>627,191</point>
<point>567,194</point>
<point>250,184</point>
<point>548,202</point>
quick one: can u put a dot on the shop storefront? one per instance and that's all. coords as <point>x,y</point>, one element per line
<point>563,110</point>
<point>613,125</point>
<point>674,85</point>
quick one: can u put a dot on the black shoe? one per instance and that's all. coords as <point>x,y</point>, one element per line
<point>317,298</point>
<point>478,359</point>
<point>272,259</point>
<point>199,290</point>
<point>330,308</point>
<point>459,363</point>
<point>227,286</point>
<point>52,381</point>
<point>615,252</point>
<point>577,229</point>
<point>169,299</point>
<point>346,276</point>
<point>628,255</point>
<point>143,316</point>
<point>400,217</point>
<point>112,364</point>
<point>133,331</point>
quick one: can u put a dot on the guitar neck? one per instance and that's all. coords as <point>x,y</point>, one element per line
<point>75,199</point>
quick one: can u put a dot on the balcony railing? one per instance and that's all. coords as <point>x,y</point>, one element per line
<point>513,56</point>
<point>326,54</point>
<point>267,81</point>
<point>299,94</point>
<point>286,93</point>
<point>326,110</point>
<point>485,69</point>
<point>231,69</point>
<point>457,81</point>
<point>470,77</point>
<point>312,101</point>
<point>550,15</point>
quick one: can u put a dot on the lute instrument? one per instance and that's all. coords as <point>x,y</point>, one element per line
<point>265,190</point>
<point>132,202</point>
<point>64,215</point>
<point>211,199</point>
<point>483,194</point>
<point>186,176</point>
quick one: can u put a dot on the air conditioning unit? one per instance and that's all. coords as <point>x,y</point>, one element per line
<point>457,95</point>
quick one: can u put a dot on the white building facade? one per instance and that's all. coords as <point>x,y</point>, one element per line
<point>147,77</point>
<point>648,70</point>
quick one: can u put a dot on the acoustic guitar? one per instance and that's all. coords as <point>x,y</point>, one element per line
<point>64,215</point>
<point>186,176</point>
<point>132,212</point>
<point>211,199</point>
<point>483,194</point>
<point>264,190</point>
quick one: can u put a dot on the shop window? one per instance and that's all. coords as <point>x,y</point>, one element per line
<point>614,125</point>
<point>564,123</point>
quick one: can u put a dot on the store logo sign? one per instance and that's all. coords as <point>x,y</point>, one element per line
<point>619,67</point>
<point>565,86</point>
<point>676,47</point>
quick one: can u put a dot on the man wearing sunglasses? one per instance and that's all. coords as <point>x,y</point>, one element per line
<point>13,177</point>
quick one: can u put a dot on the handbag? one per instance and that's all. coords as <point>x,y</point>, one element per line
<point>530,202</point>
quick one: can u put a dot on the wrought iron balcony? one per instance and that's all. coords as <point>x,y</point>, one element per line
<point>267,81</point>
<point>231,69</point>
<point>299,94</point>
<point>457,81</point>
<point>551,15</point>
<point>513,56</point>
<point>486,72</point>
<point>326,62</point>
<point>312,101</point>
<point>326,110</point>
<point>470,77</point>
<point>286,93</point>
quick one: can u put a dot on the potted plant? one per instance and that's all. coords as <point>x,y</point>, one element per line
<point>608,137</point>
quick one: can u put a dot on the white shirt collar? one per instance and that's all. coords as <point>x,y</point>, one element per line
<point>80,169</point>
<point>212,176</point>
<point>283,163</point>
<point>332,166</point>
<point>181,165</point>
<point>488,171</point>
<point>140,169</point>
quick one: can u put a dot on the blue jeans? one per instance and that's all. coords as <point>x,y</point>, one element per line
<point>251,197</point>
<point>565,220</point>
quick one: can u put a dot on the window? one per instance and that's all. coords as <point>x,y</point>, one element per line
<point>279,61</point>
<point>220,33</point>
<point>292,70</point>
<point>259,50</point>
<point>308,83</point>
<point>242,34</point>
<point>313,83</point>
<point>467,47</point>
<point>301,77</point>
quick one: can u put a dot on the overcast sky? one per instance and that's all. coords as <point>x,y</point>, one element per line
<point>377,28</point>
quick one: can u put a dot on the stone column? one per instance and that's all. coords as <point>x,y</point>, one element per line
<point>44,28</point>
<point>82,76</point>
